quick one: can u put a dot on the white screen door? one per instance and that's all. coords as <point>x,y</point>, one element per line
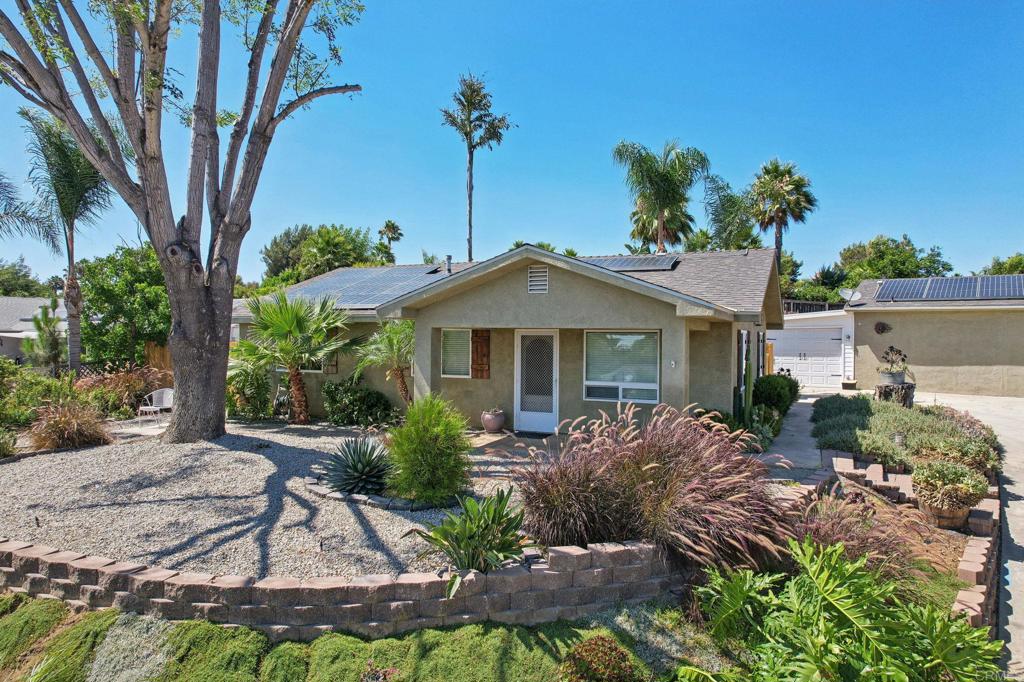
<point>536,381</point>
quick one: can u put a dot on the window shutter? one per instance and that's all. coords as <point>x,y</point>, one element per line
<point>481,354</point>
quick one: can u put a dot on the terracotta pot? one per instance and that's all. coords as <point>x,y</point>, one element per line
<point>892,378</point>
<point>493,422</point>
<point>952,519</point>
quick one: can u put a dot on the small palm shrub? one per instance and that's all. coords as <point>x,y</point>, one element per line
<point>775,390</point>
<point>8,441</point>
<point>836,620</point>
<point>349,403</point>
<point>360,465</point>
<point>248,392</point>
<point>68,424</point>
<point>430,451</point>
<point>482,537</point>
<point>599,659</point>
<point>948,485</point>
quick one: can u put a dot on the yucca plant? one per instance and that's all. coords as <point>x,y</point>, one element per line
<point>482,537</point>
<point>360,466</point>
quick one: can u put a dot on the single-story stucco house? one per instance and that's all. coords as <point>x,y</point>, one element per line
<point>16,313</point>
<point>548,337</point>
<point>961,334</point>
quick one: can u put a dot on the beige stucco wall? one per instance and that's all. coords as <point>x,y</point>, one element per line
<point>373,377</point>
<point>573,303</point>
<point>713,366</point>
<point>951,351</point>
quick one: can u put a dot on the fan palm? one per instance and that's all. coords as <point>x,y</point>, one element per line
<point>660,185</point>
<point>391,347</point>
<point>478,127</point>
<point>780,194</point>
<point>390,232</point>
<point>69,192</point>
<point>678,226</point>
<point>292,334</point>
<point>19,220</point>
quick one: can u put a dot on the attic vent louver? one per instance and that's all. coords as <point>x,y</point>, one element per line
<point>537,279</point>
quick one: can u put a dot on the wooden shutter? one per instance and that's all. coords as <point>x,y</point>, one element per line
<point>481,359</point>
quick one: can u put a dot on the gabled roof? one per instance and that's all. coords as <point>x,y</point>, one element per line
<point>724,282</point>
<point>16,312</point>
<point>982,292</point>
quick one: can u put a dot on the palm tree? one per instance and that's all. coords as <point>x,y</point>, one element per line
<point>293,335</point>
<point>390,232</point>
<point>391,347</point>
<point>47,349</point>
<point>660,184</point>
<point>478,126</point>
<point>17,219</point>
<point>678,225</point>
<point>69,192</point>
<point>570,252</point>
<point>780,194</point>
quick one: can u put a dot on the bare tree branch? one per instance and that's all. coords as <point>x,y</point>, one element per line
<point>20,87</point>
<point>305,99</point>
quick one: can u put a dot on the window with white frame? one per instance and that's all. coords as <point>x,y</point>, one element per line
<point>456,353</point>
<point>621,366</point>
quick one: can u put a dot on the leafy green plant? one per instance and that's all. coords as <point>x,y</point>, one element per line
<point>8,441</point>
<point>837,620</point>
<point>430,451</point>
<point>835,405</point>
<point>599,659</point>
<point>883,449</point>
<point>349,403</point>
<point>948,485</point>
<point>973,453</point>
<point>248,391</point>
<point>360,465</point>
<point>482,537</point>
<point>775,390</point>
<point>735,601</point>
<point>391,348</point>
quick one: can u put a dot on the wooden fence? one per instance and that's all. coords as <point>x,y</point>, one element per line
<point>158,356</point>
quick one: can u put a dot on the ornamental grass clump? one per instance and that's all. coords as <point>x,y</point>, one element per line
<point>669,480</point>
<point>68,424</point>
<point>948,486</point>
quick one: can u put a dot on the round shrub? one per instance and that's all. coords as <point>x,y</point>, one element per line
<point>882,448</point>
<point>836,405</point>
<point>349,403</point>
<point>948,485</point>
<point>598,659</point>
<point>430,451</point>
<point>774,390</point>
<point>360,465</point>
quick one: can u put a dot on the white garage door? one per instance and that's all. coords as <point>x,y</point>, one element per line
<point>814,356</point>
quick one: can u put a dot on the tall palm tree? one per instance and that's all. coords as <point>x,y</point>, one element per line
<point>18,219</point>
<point>660,185</point>
<point>390,347</point>
<point>780,194</point>
<point>478,127</point>
<point>678,225</point>
<point>69,192</point>
<point>292,334</point>
<point>390,232</point>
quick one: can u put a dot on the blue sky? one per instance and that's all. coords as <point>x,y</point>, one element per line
<point>907,117</point>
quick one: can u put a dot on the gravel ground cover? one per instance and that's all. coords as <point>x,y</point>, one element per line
<point>236,505</point>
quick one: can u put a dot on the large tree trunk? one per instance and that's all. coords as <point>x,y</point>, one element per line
<point>73,306</point>
<point>403,388</point>
<point>778,248</point>
<point>469,204</point>
<point>297,387</point>
<point>661,231</point>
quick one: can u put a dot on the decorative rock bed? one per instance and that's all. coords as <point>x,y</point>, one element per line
<point>314,486</point>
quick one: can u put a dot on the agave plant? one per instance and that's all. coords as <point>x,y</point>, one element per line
<point>360,465</point>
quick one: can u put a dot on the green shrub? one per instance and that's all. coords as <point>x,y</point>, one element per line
<point>973,453</point>
<point>482,537</point>
<point>969,425</point>
<point>775,390</point>
<point>68,658</point>
<point>836,405</point>
<point>248,392</point>
<point>599,659</point>
<point>349,403</point>
<point>68,424</point>
<point>430,452</point>
<point>29,622</point>
<point>360,465</point>
<point>884,449</point>
<point>8,442</point>
<point>24,392</point>
<point>947,485</point>
<point>286,662</point>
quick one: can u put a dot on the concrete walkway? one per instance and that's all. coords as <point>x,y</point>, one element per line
<point>1006,416</point>
<point>795,443</point>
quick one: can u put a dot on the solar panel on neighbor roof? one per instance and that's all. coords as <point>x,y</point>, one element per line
<point>634,263</point>
<point>902,290</point>
<point>1001,286</point>
<point>986,287</point>
<point>951,288</point>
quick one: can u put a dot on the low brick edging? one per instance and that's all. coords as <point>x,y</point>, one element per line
<point>978,565</point>
<point>571,583</point>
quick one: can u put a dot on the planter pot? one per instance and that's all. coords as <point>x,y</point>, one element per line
<point>892,378</point>
<point>952,519</point>
<point>493,422</point>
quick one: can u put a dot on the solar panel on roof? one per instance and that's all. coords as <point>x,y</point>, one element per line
<point>984,287</point>
<point>902,290</point>
<point>635,263</point>
<point>951,288</point>
<point>1001,286</point>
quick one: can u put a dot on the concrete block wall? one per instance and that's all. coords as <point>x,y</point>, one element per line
<point>569,583</point>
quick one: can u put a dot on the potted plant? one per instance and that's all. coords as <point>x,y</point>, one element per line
<point>894,371</point>
<point>946,491</point>
<point>493,420</point>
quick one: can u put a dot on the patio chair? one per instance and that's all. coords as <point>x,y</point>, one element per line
<point>156,402</point>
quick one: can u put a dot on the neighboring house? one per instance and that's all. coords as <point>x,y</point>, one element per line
<point>549,338</point>
<point>16,313</point>
<point>961,334</point>
<point>816,347</point>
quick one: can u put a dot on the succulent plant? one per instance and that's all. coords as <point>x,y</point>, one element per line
<point>360,465</point>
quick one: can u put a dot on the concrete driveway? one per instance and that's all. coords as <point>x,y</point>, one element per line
<point>1006,416</point>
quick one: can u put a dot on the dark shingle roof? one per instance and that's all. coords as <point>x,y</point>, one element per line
<point>737,280</point>
<point>869,288</point>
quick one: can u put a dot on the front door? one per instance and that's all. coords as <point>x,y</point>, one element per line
<point>536,381</point>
